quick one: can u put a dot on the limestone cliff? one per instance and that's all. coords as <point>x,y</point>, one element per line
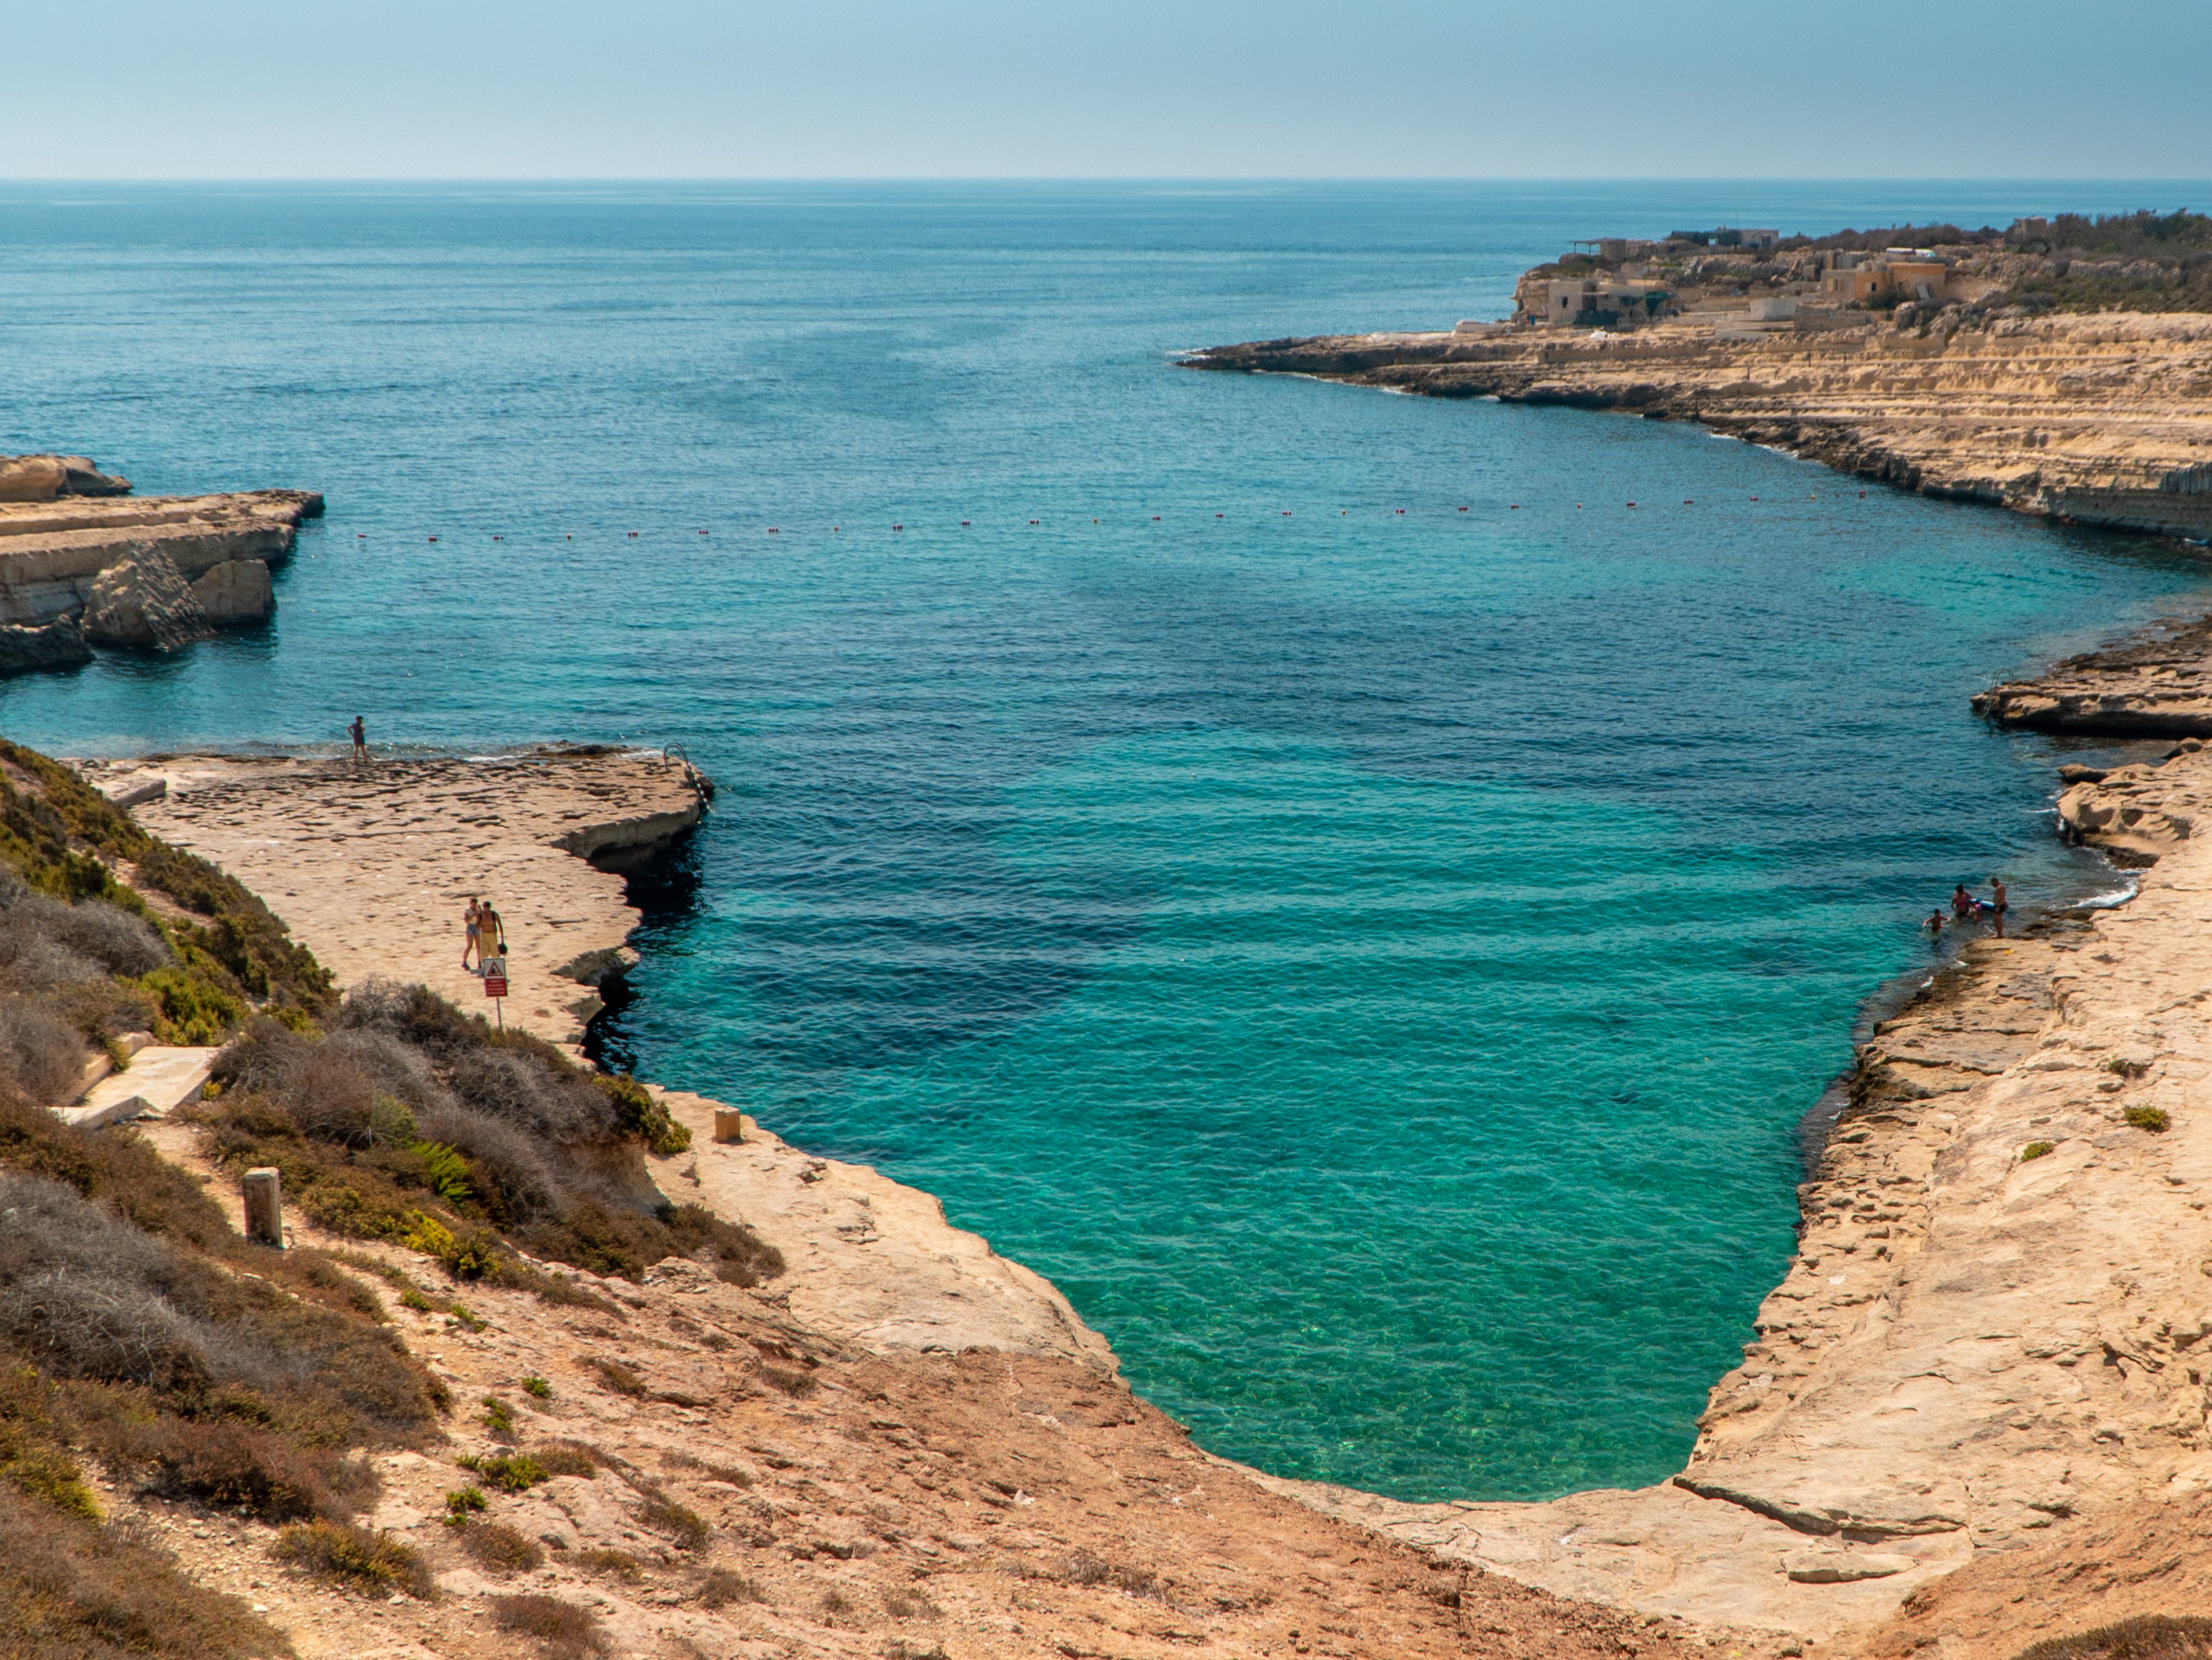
<point>2100,420</point>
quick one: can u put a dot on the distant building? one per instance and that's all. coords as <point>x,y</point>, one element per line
<point>1912,276</point>
<point>1596,302</point>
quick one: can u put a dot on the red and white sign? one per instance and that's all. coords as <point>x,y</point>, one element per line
<point>495,977</point>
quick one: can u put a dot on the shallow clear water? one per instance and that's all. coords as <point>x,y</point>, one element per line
<point>1374,962</point>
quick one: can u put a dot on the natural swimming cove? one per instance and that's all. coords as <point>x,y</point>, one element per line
<point>1374,964</point>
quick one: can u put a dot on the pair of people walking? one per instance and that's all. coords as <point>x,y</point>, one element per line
<point>486,934</point>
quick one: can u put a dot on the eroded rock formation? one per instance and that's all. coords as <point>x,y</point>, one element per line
<point>2098,420</point>
<point>2158,685</point>
<point>144,602</point>
<point>29,650</point>
<point>236,593</point>
<point>47,478</point>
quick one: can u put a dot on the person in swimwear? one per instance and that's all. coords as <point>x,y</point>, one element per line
<point>473,940</point>
<point>1962,902</point>
<point>1997,902</point>
<point>1934,924</point>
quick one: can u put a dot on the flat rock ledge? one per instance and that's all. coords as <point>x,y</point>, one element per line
<point>2157,685</point>
<point>65,526</point>
<point>371,866</point>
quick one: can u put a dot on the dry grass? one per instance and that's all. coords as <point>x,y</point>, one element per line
<point>498,1548</point>
<point>354,1556</point>
<point>796,1385</point>
<point>621,1379</point>
<point>720,1588</point>
<point>2149,1637</point>
<point>570,1458</point>
<point>619,1563</point>
<point>564,1631</point>
<point>685,1526</point>
<point>73,1590</point>
<point>712,1471</point>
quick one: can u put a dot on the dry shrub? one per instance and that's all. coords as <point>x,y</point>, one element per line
<point>69,1591</point>
<point>720,1588</point>
<point>712,1472</point>
<point>793,1383</point>
<point>687,1528</point>
<point>620,1563</point>
<point>907,1605</point>
<point>510,1472</point>
<point>498,1548</point>
<point>42,1056</point>
<point>621,1379</point>
<point>2146,1637</point>
<point>1085,1569</point>
<point>245,1468</point>
<point>351,1555</point>
<point>567,1632</point>
<point>570,1458</point>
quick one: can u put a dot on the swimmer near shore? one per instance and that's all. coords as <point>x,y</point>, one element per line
<point>1969,906</point>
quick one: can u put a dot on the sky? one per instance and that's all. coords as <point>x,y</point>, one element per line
<point>1111,88</point>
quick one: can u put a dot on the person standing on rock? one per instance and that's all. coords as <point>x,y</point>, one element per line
<point>1997,902</point>
<point>359,735</point>
<point>472,939</point>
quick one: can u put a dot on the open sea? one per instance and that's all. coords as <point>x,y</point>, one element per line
<point>1370,943</point>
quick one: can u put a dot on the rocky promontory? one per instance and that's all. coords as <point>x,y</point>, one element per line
<point>83,562</point>
<point>2100,419</point>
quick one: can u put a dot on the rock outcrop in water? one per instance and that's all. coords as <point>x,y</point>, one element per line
<point>47,477</point>
<point>144,602</point>
<point>236,593</point>
<point>63,523</point>
<point>2159,685</point>
<point>29,650</point>
<point>2100,420</point>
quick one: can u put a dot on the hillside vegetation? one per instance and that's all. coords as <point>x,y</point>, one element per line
<point>140,1334</point>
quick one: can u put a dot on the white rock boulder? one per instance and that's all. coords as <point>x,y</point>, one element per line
<point>236,593</point>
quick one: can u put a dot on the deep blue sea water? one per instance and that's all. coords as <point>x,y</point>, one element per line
<point>1373,956</point>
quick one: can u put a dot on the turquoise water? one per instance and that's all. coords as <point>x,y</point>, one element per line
<point>1374,961</point>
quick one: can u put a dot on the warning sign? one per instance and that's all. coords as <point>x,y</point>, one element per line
<point>495,977</point>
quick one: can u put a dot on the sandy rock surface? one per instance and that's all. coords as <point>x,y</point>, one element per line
<point>372,867</point>
<point>236,593</point>
<point>2104,420</point>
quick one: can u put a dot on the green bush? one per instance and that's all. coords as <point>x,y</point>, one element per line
<point>2153,1119</point>
<point>2036,1149</point>
<point>371,1561</point>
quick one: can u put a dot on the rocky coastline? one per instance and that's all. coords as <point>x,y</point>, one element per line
<point>85,563</point>
<point>897,1442</point>
<point>2101,420</point>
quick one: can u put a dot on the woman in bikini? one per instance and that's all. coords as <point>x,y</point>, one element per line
<point>473,941</point>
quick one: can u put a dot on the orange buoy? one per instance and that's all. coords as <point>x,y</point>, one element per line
<point>1156,519</point>
<point>898,527</point>
<point>1462,509</point>
<point>434,538</point>
<point>964,523</point>
<point>1402,512</point>
<point>633,536</point>
<point>771,531</point>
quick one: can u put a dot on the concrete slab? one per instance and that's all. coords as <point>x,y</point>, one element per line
<point>161,1078</point>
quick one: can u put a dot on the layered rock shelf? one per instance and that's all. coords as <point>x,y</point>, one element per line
<point>2157,686</point>
<point>88,562</point>
<point>2103,420</point>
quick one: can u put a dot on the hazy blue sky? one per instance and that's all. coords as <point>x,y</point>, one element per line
<point>1613,89</point>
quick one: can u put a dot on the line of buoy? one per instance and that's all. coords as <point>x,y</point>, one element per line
<point>965,524</point>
